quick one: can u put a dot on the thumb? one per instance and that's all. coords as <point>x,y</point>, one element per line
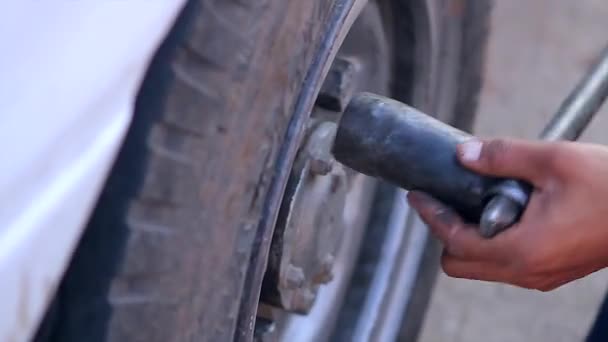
<point>508,158</point>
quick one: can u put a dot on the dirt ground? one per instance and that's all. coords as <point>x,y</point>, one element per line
<point>538,50</point>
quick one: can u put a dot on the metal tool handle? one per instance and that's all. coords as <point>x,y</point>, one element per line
<point>385,138</point>
<point>573,116</point>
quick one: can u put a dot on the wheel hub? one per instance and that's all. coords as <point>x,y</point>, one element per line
<point>310,225</point>
<point>322,198</point>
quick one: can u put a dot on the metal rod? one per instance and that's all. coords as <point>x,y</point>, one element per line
<point>581,105</point>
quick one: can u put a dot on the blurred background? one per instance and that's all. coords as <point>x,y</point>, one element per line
<point>538,50</point>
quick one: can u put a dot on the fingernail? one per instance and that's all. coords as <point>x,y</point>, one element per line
<point>470,150</point>
<point>446,216</point>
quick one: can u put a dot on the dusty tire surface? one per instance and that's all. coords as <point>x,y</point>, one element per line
<point>166,254</point>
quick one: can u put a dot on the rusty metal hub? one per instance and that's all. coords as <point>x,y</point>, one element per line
<point>310,224</point>
<point>322,198</point>
<point>324,211</point>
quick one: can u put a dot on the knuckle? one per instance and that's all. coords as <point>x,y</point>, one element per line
<point>452,240</point>
<point>445,225</point>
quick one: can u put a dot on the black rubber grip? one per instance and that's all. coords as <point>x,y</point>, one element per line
<point>384,138</point>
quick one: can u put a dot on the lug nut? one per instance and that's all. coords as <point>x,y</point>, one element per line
<point>294,277</point>
<point>320,166</point>
<point>340,84</point>
<point>320,159</point>
<point>303,300</point>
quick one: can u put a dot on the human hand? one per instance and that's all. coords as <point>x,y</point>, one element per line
<point>562,235</point>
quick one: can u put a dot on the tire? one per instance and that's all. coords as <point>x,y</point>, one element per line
<point>174,247</point>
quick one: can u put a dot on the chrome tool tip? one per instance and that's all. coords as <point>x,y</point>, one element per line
<point>499,214</point>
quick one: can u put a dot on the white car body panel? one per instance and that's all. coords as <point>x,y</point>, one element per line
<point>69,74</point>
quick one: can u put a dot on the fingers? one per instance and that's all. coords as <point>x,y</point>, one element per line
<point>508,158</point>
<point>459,239</point>
<point>488,271</point>
<point>505,258</point>
<point>495,272</point>
<point>474,270</point>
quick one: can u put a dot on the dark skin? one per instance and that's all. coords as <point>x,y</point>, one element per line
<point>563,234</point>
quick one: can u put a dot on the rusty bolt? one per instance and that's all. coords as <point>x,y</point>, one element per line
<point>302,301</point>
<point>325,274</point>
<point>339,85</point>
<point>320,141</point>
<point>321,166</point>
<point>294,277</point>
